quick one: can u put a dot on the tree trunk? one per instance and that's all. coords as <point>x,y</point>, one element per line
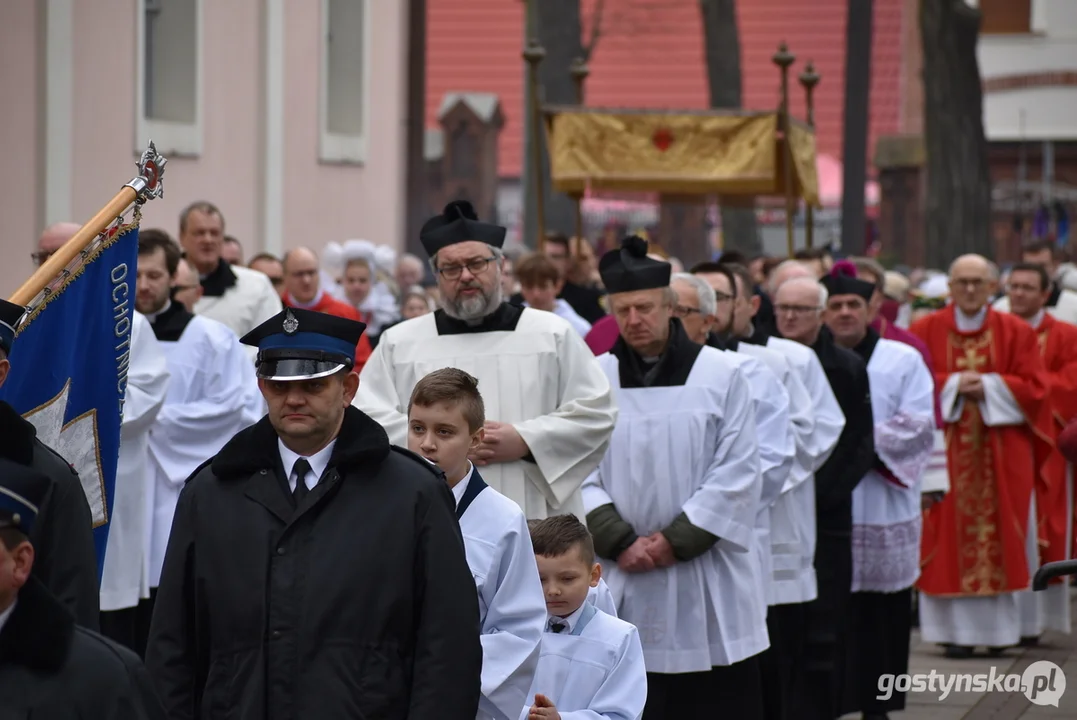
<point>721,40</point>
<point>559,33</point>
<point>958,202</point>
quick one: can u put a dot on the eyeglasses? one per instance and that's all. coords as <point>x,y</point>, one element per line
<point>723,297</point>
<point>475,267</point>
<point>796,309</point>
<point>683,311</point>
<point>40,257</point>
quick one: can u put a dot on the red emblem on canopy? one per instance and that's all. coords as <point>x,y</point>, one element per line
<point>662,139</point>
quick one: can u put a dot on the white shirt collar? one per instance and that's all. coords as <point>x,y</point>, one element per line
<point>571,619</point>
<point>152,317</point>
<point>6,614</point>
<point>318,462</point>
<point>970,323</point>
<point>460,488</point>
<point>1036,319</point>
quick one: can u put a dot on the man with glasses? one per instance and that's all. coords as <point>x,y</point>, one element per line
<point>550,403</point>
<point>993,386</point>
<point>798,307</point>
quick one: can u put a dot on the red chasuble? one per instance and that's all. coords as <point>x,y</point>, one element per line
<point>974,540</point>
<point>331,306</point>
<point>1058,346</point>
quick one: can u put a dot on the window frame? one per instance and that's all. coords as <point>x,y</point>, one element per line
<point>177,139</point>
<point>339,148</point>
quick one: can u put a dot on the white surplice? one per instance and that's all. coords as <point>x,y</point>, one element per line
<point>594,672</point>
<point>244,306</point>
<point>993,620</point>
<point>512,605</point>
<point>887,515</point>
<point>124,579</point>
<point>601,597</point>
<point>792,516</point>
<point>777,448</point>
<point>541,378</point>
<point>209,400</point>
<point>691,449</point>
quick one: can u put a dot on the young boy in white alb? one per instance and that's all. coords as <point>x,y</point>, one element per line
<point>445,424</point>
<point>592,663</point>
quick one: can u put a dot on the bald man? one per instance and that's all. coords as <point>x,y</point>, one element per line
<point>978,539</point>
<point>302,289</point>
<point>186,290</point>
<point>53,238</point>
<point>799,302</point>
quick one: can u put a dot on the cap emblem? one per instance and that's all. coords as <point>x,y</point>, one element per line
<point>290,323</point>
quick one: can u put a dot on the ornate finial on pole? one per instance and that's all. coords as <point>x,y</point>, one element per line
<point>150,181</point>
<point>808,80</point>
<point>534,54</point>
<point>579,71</point>
<point>783,59</point>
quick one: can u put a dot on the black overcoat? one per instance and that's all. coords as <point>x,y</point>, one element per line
<point>356,605</point>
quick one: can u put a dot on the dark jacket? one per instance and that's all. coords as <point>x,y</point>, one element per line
<point>52,670</point>
<point>66,561</point>
<point>358,604</point>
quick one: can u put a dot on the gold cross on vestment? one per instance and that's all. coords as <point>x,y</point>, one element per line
<point>981,529</point>
<point>971,361</point>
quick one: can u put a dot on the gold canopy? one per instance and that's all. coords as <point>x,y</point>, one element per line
<point>681,153</point>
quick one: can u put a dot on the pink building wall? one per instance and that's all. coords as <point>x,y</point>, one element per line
<point>321,201</point>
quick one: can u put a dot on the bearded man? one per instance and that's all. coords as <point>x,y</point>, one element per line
<point>550,402</point>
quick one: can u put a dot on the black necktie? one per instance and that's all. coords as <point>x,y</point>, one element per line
<point>301,469</point>
<point>558,626</point>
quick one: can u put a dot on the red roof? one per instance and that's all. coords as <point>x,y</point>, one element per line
<point>650,55</point>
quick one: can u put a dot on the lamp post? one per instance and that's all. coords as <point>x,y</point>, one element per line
<point>784,59</point>
<point>808,80</point>
<point>534,54</point>
<point>579,72</point>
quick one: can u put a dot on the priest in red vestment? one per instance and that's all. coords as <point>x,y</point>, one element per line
<point>302,289</point>
<point>992,387</point>
<point>1028,291</point>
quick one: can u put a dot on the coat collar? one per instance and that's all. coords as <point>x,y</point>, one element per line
<point>672,368</point>
<point>17,436</point>
<point>220,281</point>
<point>361,442</point>
<point>39,632</point>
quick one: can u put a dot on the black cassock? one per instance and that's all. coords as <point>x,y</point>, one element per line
<point>52,670</point>
<point>356,604</point>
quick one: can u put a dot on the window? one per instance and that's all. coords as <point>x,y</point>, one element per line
<point>1006,17</point>
<point>345,81</point>
<point>169,76</point>
<point>463,151</point>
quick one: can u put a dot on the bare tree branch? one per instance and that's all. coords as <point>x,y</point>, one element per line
<point>596,29</point>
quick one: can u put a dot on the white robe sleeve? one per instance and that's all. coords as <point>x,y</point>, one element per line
<point>999,407</point>
<point>147,380</point>
<point>601,597</point>
<point>905,440</point>
<point>187,434</point>
<point>829,419</point>
<point>377,395</point>
<point>802,423</point>
<point>512,630</point>
<point>269,303</point>
<point>623,694</point>
<point>950,402</point>
<point>727,501</point>
<point>568,443</point>
<point>773,430</point>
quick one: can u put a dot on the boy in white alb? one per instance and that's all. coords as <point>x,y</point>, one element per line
<point>591,665</point>
<point>445,423</point>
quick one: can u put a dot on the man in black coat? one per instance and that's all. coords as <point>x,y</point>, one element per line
<point>49,667</point>
<point>63,534</point>
<point>314,570</point>
<point>798,305</point>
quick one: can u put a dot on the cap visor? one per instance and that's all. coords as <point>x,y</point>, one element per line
<point>294,369</point>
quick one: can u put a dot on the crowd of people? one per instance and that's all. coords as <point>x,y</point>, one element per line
<point>546,485</point>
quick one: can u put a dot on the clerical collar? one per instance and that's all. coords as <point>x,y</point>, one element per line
<point>460,488</point>
<point>969,323</point>
<point>671,370</point>
<point>503,319</point>
<point>220,281</point>
<point>169,324</point>
<point>1037,319</point>
<point>292,302</point>
<point>6,615</point>
<point>152,317</point>
<point>866,346</point>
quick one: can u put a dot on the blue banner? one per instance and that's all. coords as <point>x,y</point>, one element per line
<point>69,369</point>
